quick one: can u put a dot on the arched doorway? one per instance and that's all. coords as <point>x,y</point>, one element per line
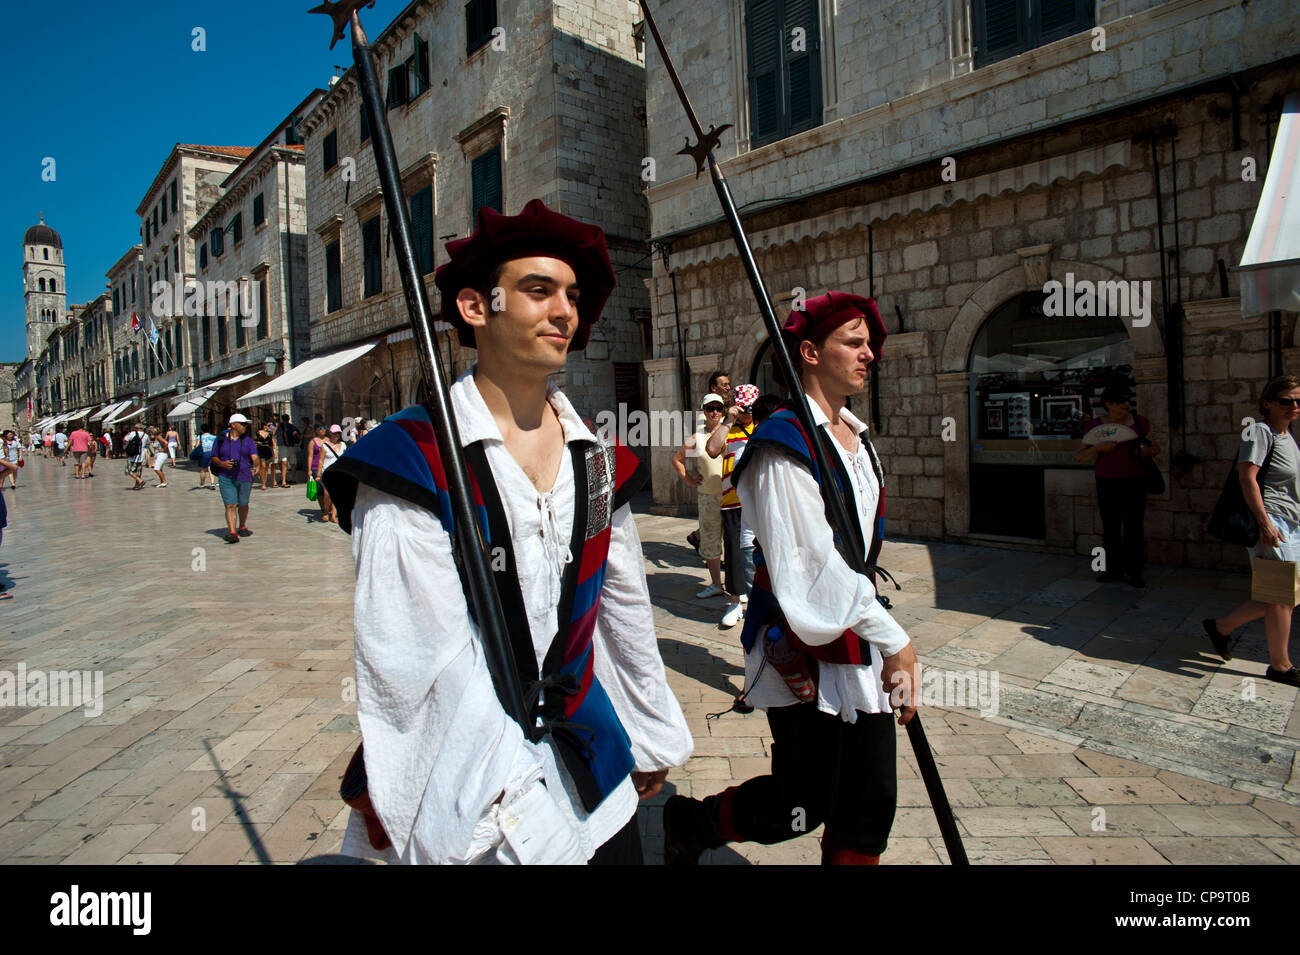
<point>1034,385</point>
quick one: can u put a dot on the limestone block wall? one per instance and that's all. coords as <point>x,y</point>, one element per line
<point>949,266</point>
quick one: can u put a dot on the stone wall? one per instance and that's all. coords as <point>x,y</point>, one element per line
<point>562,99</point>
<point>950,265</point>
<point>1157,50</point>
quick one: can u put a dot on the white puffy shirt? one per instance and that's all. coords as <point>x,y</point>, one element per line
<point>450,774</point>
<point>820,595</point>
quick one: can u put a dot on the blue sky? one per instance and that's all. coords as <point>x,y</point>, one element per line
<point>107,89</point>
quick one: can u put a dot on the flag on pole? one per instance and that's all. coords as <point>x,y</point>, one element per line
<point>135,322</point>
<point>153,332</point>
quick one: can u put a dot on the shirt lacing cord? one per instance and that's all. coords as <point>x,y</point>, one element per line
<point>560,729</point>
<point>552,541</point>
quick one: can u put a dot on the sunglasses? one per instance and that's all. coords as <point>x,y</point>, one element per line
<point>1286,402</point>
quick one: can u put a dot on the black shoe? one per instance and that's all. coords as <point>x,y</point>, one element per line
<point>1111,577</point>
<point>1219,640</point>
<point>232,538</point>
<point>1291,677</point>
<point>245,532</point>
<point>687,831</point>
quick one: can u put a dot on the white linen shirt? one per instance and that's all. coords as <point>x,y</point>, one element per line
<point>820,595</point>
<point>450,773</point>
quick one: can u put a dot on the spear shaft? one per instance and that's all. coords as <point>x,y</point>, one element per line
<point>468,543</point>
<point>702,152</point>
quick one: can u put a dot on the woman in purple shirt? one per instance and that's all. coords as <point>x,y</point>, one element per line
<point>1121,487</point>
<point>235,457</point>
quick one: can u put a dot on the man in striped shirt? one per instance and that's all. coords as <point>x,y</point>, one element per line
<point>728,440</point>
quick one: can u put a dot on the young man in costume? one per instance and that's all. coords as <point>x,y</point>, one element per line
<point>822,654</point>
<point>451,777</point>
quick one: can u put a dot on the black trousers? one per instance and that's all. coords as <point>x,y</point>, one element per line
<point>622,848</point>
<point>823,771</point>
<point>1123,503</point>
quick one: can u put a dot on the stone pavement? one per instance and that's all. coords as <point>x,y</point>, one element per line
<point>227,716</point>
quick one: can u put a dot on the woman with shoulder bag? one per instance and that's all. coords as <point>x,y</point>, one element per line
<point>1268,466</point>
<point>1122,487</point>
<point>332,448</point>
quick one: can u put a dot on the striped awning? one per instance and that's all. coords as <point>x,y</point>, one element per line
<point>1270,265</point>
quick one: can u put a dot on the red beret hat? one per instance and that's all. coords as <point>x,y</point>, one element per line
<point>822,315</point>
<point>536,231</point>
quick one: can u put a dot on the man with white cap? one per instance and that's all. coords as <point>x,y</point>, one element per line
<point>235,458</point>
<point>708,491</point>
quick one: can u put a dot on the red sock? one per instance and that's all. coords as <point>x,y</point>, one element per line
<point>835,852</point>
<point>726,823</point>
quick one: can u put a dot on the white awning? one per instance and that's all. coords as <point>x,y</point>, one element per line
<point>196,399</point>
<point>281,389</point>
<point>113,418</point>
<point>206,391</point>
<point>133,414</point>
<point>1270,266</point>
<point>70,416</point>
<point>108,411</point>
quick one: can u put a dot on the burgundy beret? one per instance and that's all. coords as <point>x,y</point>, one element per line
<point>536,231</point>
<point>822,315</point>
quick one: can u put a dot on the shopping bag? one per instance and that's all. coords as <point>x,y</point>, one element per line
<point>1274,582</point>
<point>312,489</point>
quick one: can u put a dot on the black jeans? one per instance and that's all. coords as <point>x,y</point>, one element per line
<point>1123,503</point>
<point>823,771</point>
<point>622,848</point>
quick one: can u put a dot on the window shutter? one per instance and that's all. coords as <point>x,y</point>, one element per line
<point>803,67</point>
<point>1062,18</point>
<point>263,309</point>
<point>762,20</point>
<point>422,226</point>
<point>1001,29</point>
<point>485,173</point>
<point>420,66</point>
<point>333,284</point>
<point>396,86</point>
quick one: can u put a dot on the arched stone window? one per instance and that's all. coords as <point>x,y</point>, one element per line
<point>1034,382</point>
<point>40,285</point>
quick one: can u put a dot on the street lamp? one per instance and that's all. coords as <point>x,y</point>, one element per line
<point>271,360</point>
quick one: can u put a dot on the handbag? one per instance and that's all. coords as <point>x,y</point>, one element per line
<point>1231,521</point>
<point>1274,582</point>
<point>197,454</point>
<point>312,490</point>
<point>1153,482</point>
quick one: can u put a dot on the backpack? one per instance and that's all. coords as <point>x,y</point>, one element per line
<point>132,446</point>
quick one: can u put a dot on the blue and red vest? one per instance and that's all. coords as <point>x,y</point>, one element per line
<point>401,458</point>
<point>782,434</point>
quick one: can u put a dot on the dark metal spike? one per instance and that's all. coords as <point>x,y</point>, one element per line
<point>700,151</point>
<point>341,12</point>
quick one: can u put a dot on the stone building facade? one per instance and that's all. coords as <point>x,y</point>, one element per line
<point>953,181</point>
<point>253,239</point>
<point>130,302</point>
<point>537,99</point>
<point>186,186</point>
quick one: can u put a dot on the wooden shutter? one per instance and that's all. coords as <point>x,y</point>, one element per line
<point>803,82</point>
<point>420,67</point>
<point>763,29</point>
<point>1001,29</point>
<point>333,279</point>
<point>422,227</point>
<point>1061,18</point>
<point>263,308</point>
<point>485,172</point>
